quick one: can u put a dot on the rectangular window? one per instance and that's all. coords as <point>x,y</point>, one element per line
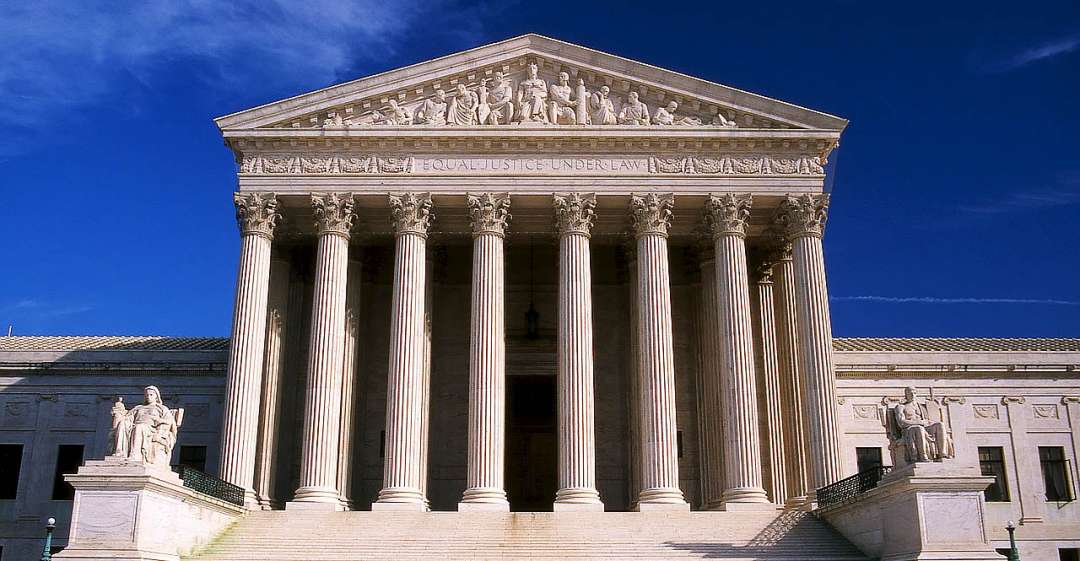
<point>992,462</point>
<point>1055,471</point>
<point>10,465</point>
<point>68,459</point>
<point>1069,554</point>
<point>868,458</point>
<point>193,457</point>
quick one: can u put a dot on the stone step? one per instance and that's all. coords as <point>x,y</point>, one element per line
<point>450,536</point>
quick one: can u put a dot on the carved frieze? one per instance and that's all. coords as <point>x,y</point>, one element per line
<point>986,411</point>
<point>362,164</point>
<point>1045,411</point>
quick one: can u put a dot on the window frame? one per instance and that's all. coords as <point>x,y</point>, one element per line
<point>17,471</point>
<point>880,457</point>
<point>1064,467</point>
<point>58,476</point>
<point>1001,480</point>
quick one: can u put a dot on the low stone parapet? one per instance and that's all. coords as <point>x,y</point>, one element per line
<point>125,510</point>
<point>921,511</point>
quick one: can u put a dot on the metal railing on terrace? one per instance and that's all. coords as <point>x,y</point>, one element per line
<point>850,488</point>
<point>209,485</point>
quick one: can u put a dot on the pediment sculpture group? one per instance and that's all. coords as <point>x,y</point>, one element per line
<point>496,102</point>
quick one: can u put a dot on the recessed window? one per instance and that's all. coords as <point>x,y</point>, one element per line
<point>68,459</point>
<point>1069,554</point>
<point>1055,471</point>
<point>678,442</point>
<point>10,464</point>
<point>193,457</point>
<point>868,458</point>
<point>992,463</point>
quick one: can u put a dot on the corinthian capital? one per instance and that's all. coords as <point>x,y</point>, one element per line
<point>651,213</point>
<point>489,213</point>
<point>411,213</point>
<point>574,213</point>
<point>334,213</point>
<point>804,215</point>
<point>728,214</point>
<point>256,213</point>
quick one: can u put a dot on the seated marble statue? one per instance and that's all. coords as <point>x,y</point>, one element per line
<point>561,103</point>
<point>147,432</point>
<point>603,110</point>
<point>463,108</point>
<point>532,98</point>
<point>433,110</point>
<point>500,102</point>
<point>914,436</point>
<point>394,115</point>
<point>635,112</point>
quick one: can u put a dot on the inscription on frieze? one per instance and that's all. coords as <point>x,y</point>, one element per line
<point>352,164</point>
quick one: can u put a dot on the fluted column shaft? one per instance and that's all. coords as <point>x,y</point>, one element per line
<point>402,468</point>
<point>487,357</point>
<point>651,216</point>
<point>266,451</point>
<point>804,221</point>
<point>709,351</point>
<point>349,386</point>
<point>256,215</point>
<point>795,450</point>
<point>322,409</point>
<point>577,431</point>
<point>773,439</point>
<point>634,382</point>
<point>727,216</point>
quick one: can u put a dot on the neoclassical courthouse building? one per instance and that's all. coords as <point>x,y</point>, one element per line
<point>534,277</point>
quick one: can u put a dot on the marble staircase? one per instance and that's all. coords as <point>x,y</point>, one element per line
<point>449,536</point>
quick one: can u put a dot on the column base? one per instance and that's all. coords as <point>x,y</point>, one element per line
<point>662,507</point>
<point>754,495</point>
<point>578,507</point>
<point>483,507</point>
<point>797,503</point>
<point>388,506</point>
<point>315,498</point>
<point>669,495</point>
<point>749,507</point>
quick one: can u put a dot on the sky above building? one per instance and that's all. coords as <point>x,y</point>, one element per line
<point>955,189</point>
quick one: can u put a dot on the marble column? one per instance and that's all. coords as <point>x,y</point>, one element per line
<point>429,319</point>
<point>334,218</point>
<point>803,220</point>
<point>726,218</point>
<point>794,432</point>
<point>266,464</point>
<point>772,441</point>
<point>709,389</point>
<point>489,214</point>
<point>256,214</point>
<point>651,217</point>
<point>402,467</point>
<point>633,394</point>
<point>574,214</point>
<point>349,385</point>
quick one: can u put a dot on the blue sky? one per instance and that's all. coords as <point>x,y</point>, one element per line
<point>956,188</point>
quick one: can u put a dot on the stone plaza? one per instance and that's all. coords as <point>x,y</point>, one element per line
<point>536,301</point>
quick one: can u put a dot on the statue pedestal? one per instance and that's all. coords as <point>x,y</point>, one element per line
<point>127,510</point>
<point>919,512</point>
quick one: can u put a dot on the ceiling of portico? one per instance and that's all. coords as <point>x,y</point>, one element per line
<point>364,108</point>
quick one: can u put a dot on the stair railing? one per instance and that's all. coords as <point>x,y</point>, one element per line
<point>850,488</point>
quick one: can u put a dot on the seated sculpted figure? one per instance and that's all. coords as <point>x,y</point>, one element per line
<point>603,110</point>
<point>147,432</point>
<point>635,112</point>
<point>463,108</point>
<point>532,98</point>
<point>914,436</point>
<point>500,102</point>
<point>560,102</point>
<point>433,110</point>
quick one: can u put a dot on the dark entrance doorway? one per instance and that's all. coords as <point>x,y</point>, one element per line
<point>531,452</point>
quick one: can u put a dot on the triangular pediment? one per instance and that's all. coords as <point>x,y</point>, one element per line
<point>486,75</point>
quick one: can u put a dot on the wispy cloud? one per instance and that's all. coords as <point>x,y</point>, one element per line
<point>1049,49</point>
<point>936,300</point>
<point>58,57</point>
<point>1065,193</point>
<point>32,309</point>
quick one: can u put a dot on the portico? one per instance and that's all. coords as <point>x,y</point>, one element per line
<point>425,264</point>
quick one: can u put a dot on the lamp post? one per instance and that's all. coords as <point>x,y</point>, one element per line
<point>46,553</point>
<point>1014,555</point>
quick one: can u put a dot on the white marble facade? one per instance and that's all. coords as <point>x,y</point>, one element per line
<point>532,276</point>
